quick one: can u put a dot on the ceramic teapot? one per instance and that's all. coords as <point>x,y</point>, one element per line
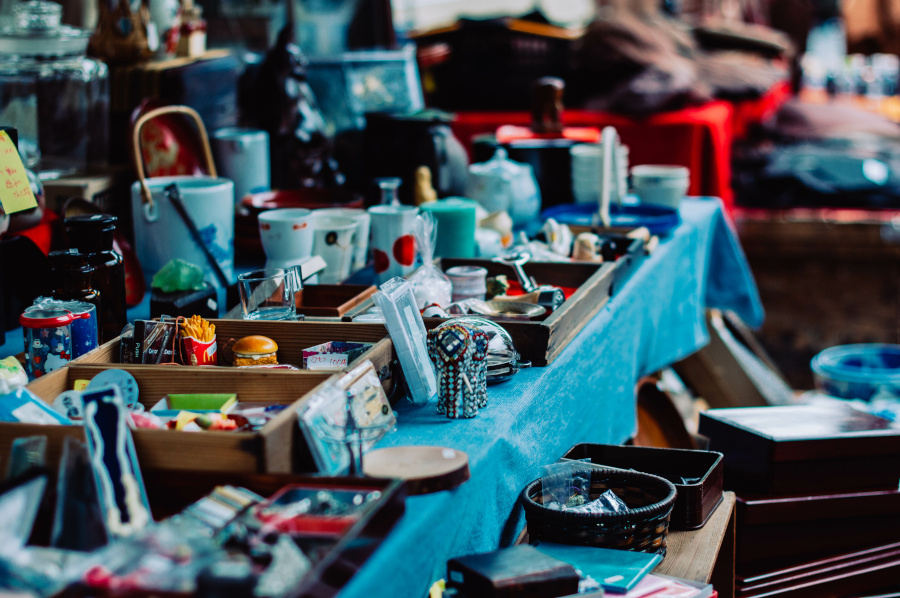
<point>501,184</point>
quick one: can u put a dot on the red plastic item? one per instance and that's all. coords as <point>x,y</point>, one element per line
<point>516,289</point>
<point>41,234</point>
<point>29,322</point>
<point>307,525</point>
<point>748,113</point>
<point>512,133</point>
<point>699,137</point>
<point>135,285</point>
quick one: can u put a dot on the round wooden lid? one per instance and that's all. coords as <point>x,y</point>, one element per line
<point>426,469</point>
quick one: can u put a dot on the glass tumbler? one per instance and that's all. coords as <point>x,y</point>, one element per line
<point>269,294</point>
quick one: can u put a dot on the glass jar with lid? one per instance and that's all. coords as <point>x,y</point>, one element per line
<point>51,92</point>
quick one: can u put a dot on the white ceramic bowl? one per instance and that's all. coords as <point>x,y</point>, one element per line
<point>659,175</point>
<point>660,185</point>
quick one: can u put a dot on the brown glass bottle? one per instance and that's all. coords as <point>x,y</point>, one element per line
<point>92,234</point>
<point>71,276</point>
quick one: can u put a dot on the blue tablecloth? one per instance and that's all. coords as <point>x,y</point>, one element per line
<point>585,395</point>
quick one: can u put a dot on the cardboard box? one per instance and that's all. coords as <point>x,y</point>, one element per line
<point>108,189</point>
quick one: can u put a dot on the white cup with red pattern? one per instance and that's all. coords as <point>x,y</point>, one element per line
<point>287,236</point>
<point>393,244</point>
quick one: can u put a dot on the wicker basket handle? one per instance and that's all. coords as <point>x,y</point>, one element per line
<point>149,207</point>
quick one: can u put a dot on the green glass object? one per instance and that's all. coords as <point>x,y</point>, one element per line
<point>178,275</point>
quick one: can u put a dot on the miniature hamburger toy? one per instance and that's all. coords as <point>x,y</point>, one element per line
<point>254,350</point>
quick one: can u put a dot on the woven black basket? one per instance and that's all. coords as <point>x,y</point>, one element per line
<point>642,528</point>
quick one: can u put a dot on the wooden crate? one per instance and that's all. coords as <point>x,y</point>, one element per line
<point>331,300</point>
<point>270,449</point>
<point>291,338</point>
<point>542,341</point>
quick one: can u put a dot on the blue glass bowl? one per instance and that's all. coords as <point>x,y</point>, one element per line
<point>861,371</point>
<point>659,220</point>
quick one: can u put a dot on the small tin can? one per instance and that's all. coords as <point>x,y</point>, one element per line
<point>84,327</point>
<point>48,339</point>
<point>85,332</point>
<point>468,282</point>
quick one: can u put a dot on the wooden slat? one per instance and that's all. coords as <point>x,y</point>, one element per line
<point>331,301</point>
<point>251,385</point>
<point>692,555</point>
<point>291,337</point>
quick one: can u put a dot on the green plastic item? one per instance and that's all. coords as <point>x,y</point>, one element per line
<point>222,402</point>
<point>178,275</point>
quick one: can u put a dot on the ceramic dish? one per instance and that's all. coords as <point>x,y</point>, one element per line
<point>518,309</point>
<point>302,198</point>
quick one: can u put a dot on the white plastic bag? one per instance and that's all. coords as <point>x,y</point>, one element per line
<point>430,285</point>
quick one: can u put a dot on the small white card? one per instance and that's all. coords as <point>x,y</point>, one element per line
<point>327,361</point>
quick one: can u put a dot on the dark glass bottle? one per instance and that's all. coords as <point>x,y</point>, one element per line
<point>71,276</point>
<point>92,234</point>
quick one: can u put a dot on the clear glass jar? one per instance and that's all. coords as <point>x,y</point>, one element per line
<point>52,93</point>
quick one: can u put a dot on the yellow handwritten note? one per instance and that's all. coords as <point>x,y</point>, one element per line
<point>15,191</point>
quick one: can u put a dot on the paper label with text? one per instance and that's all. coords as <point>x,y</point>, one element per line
<point>326,361</point>
<point>15,190</point>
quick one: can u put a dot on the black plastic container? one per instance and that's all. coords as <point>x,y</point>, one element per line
<point>697,475</point>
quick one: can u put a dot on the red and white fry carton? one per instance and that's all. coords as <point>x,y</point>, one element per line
<point>197,352</point>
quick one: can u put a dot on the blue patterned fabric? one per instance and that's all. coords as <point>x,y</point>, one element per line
<point>585,395</point>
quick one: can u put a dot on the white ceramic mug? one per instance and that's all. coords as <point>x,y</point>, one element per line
<point>393,244</point>
<point>363,225</point>
<point>161,235</point>
<point>287,236</point>
<point>335,243</point>
<point>242,155</point>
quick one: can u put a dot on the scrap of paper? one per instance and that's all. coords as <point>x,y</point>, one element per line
<point>15,190</point>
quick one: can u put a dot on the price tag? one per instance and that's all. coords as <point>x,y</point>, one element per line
<point>326,361</point>
<point>15,191</point>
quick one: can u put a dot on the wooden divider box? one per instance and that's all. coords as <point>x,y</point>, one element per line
<point>542,341</point>
<point>269,449</point>
<point>291,337</point>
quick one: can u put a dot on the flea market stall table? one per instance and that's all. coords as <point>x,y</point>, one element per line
<point>585,395</point>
